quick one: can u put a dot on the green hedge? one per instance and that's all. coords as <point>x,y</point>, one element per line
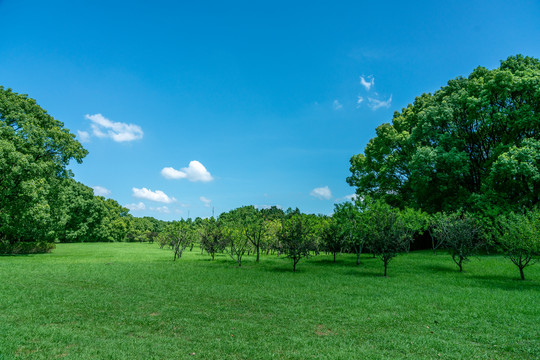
<point>26,248</point>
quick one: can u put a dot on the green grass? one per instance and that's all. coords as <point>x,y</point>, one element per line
<point>131,301</point>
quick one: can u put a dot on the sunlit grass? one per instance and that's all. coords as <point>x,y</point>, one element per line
<point>131,301</point>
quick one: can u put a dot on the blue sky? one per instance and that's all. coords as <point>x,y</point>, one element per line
<point>189,106</point>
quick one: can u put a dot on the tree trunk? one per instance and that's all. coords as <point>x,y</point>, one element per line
<point>334,256</point>
<point>257,253</point>
<point>385,266</point>
<point>521,273</point>
<point>358,258</point>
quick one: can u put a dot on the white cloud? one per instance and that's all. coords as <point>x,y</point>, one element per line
<point>194,172</point>
<point>118,131</point>
<point>101,191</point>
<point>337,105</point>
<point>321,193</point>
<point>206,201</point>
<point>351,197</point>
<point>84,136</point>
<point>359,101</point>
<point>136,207</point>
<point>375,104</point>
<point>161,209</point>
<point>157,195</point>
<point>368,82</point>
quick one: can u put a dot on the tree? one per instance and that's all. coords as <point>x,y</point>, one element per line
<point>459,233</point>
<point>35,150</point>
<point>519,238</point>
<point>332,237</point>
<point>473,145</point>
<point>391,230</point>
<point>296,238</point>
<point>251,224</point>
<point>211,237</point>
<point>180,235</point>
<point>352,227</point>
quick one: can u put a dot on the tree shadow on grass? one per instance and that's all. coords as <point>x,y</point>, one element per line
<point>510,283</point>
<point>363,273</point>
<point>440,268</point>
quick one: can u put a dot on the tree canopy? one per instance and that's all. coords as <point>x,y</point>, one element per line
<point>473,144</point>
<point>35,150</point>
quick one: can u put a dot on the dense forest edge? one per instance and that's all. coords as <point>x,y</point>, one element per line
<point>457,169</point>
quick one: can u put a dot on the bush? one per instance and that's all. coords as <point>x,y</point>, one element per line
<point>38,247</point>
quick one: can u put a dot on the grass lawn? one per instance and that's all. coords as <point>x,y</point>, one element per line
<point>131,301</point>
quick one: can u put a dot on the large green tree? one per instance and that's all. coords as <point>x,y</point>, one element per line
<point>35,150</point>
<point>473,144</point>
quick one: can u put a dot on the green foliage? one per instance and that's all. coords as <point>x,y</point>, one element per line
<point>519,238</point>
<point>25,247</point>
<point>353,227</point>
<point>180,235</point>
<point>459,233</point>
<point>296,238</point>
<point>391,230</point>
<point>35,150</point>
<point>473,144</point>
<point>211,237</point>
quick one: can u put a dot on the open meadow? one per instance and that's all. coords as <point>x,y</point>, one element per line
<point>131,301</point>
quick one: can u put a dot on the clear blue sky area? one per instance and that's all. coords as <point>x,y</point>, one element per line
<point>189,106</point>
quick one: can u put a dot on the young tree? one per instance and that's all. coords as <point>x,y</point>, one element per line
<point>236,243</point>
<point>519,238</point>
<point>353,228</point>
<point>180,235</point>
<point>296,238</point>
<point>391,231</point>
<point>211,236</point>
<point>250,222</point>
<point>332,237</point>
<point>459,233</point>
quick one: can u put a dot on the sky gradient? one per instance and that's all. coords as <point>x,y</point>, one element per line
<point>189,106</point>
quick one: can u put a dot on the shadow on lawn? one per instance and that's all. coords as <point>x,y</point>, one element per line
<point>510,283</point>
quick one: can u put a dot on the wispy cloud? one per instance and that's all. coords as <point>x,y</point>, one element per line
<point>367,82</point>
<point>322,193</point>
<point>158,195</point>
<point>351,197</point>
<point>359,101</point>
<point>118,131</point>
<point>375,104</point>
<point>161,209</point>
<point>101,191</point>
<point>136,207</point>
<point>194,172</point>
<point>336,105</point>
<point>207,202</point>
<point>84,136</point>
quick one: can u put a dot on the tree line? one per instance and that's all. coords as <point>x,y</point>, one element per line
<point>370,226</point>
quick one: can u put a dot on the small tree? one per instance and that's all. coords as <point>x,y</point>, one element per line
<point>236,243</point>
<point>519,238</point>
<point>331,236</point>
<point>391,231</point>
<point>180,235</point>
<point>296,238</point>
<point>352,227</point>
<point>460,235</point>
<point>211,237</point>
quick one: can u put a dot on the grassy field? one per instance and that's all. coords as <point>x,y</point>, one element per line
<point>131,301</point>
